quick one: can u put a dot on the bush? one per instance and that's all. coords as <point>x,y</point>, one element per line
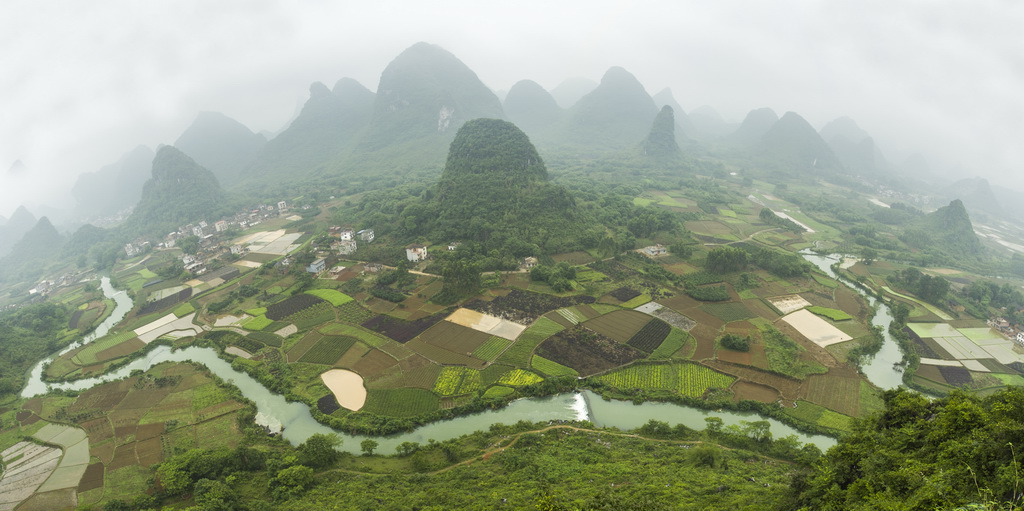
<point>735,342</point>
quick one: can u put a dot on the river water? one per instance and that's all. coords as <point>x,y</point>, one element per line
<point>297,424</point>
<point>883,368</point>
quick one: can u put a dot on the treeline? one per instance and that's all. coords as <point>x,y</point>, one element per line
<point>729,258</point>
<point>932,289</point>
<point>956,452</point>
<point>28,334</point>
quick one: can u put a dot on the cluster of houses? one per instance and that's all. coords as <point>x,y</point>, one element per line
<point>914,199</point>
<point>1009,330</point>
<point>348,239</point>
<point>45,287</point>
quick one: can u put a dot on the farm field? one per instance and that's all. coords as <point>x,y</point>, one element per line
<point>125,426</point>
<point>686,379</point>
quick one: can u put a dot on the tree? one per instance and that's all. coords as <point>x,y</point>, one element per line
<point>189,244</point>
<point>292,481</point>
<point>726,259</point>
<point>735,342</point>
<point>368,446</point>
<point>869,255</point>
<point>407,448</point>
<point>319,450</point>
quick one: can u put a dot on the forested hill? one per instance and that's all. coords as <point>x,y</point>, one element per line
<point>495,184</point>
<point>40,245</point>
<point>179,192</point>
<point>924,454</point>
<point>532,108</point>
<point>327,128</point>
<point>615,115</point>
<point>425,94</point>
<point>221,144</point>
<point>951,230</point>
<point>661,141</point>
<point>793,142</point>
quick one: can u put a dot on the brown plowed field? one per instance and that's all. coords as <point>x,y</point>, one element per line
<point>125,348</point>
<point>755,392</point>
<point>349,359</point>
<point>734,357</point>
<point>836,391</point>
<point>454,337</point>
<point>104,451</point>
<point>619,325</point>
<point>147,431</point>
<point>98,430</point>
<point>705,336</point>
<point>789,389</point>
<point>92,479</point>
<point>930,372</point>
<point>150,452</point>
<point>374,363</point>
<point>124,456</point>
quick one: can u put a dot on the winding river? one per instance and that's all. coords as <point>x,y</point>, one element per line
<point>297,424</point>
<point>883,368</point>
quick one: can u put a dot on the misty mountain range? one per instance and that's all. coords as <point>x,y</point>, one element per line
<point>426,93</point>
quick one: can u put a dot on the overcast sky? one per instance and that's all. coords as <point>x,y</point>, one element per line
<point>83,82</point>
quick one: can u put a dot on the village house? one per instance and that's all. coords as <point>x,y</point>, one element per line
<point>528,262</point>
<point>131,250</point>
<point>366,235</point>
<point>347,235</point>
<point>282,206</point>
<point>346,247</point>
<point>1020,339</point>
<point>221,226</point>
<point>454,245</point>
<point>317,266</point>
<point>197,231</point>
<point>415,252</point>
<point>238,249</point>
<point>654,250</point>
<point>374,267</point>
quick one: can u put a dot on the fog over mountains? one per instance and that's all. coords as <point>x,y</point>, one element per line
<point>955,106</point>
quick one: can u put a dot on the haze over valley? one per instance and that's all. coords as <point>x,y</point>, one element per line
<point>573,256</point>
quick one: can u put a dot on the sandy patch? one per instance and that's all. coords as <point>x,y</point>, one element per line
<point>194,283</point>
<point>170,318</point>
<point>179,326</point>
<point>1004,354</point>
<point>974,365</point>
<point>878,202</point>
<point>795,221</point>
<point>259,237</point>
<point>288,330</point>
<point>230,320</point>
<point>347,388</point>
<point>926,330</point>
<point>235,350</point>
<point>247,264</point>
<point>21,477</point>
<point>649,308</point>
<point>939,362</point>
<point>788,303</point>
<point>818,330</point>
<point>164,293</point>
<point>279,245</point>
<point>486,323</point>
<point>293,218</point>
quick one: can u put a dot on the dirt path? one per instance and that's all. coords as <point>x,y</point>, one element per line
<point>748,238</point>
